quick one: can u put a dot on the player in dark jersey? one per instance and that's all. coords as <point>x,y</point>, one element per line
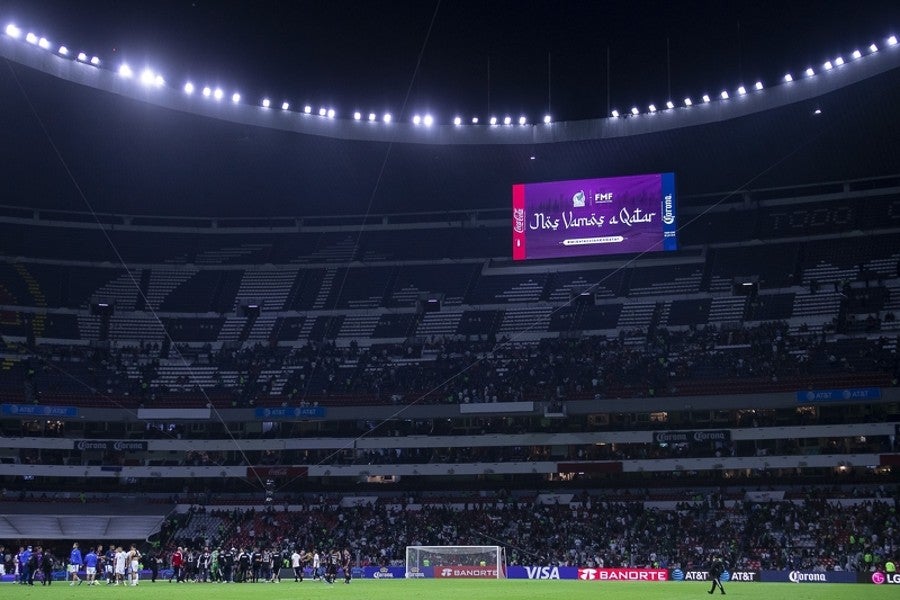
<point>345,565</point>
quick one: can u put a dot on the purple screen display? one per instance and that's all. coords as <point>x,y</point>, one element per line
<point>587,217</point>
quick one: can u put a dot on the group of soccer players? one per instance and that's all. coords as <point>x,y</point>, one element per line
<point>116,566</point>
<point>253,565</point>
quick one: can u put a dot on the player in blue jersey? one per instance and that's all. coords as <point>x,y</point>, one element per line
<point>90,566</point>
<point>75,562</point>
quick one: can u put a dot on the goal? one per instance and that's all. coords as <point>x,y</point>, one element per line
<point>456,562</point>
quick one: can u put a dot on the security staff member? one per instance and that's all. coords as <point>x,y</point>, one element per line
<point>715,573</point>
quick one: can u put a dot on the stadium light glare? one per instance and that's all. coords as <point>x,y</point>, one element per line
<point>788,78</point>
<point>218,94</point>
<point>493,121</point>
<point>13,31</point>
<point>688,102</point>
<point>417,119</point>
<point>724,95</point>
<point>742,90</point>
<point>670,105</point>
<point>873,48</point>
<point>507,120</point>
<point>614,114</point>
<point>810,72</point>
<point>892,41</point>
<point>322,111</point>
<point>428,120</point>
<point>82,57</point>
<point>147,77</point>
<point>828,65</point>
<point>522,120</point>
<point>95,61</point>
<point>331,113</point>
<point>31,38</point>
<point>474,120</point>
<point>856,54</point>
<point>235,97</point>
<point>818,111</point>
<point>207,92</point>
<point>372,116</point>
<point>635,111</point>
<point>652,108</point>
<point>125,71</point>
<point>307,109</point>
<point>63,51</point>
<point>839,61</point>
<point>758,85</point>
<point>44,43</point>
<point>357,116</point>
<point>285,105</point>
<point>387,117</point>
<point>266,103</point>
<point>548,119</point>
<point>457,121</point>
<point>706,98</point>
<point>189,88</point>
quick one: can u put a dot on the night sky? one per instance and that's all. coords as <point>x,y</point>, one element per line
<point>482,57</point>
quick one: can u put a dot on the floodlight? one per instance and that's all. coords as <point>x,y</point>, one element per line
<point>839,61</point>
<point>758,85</point>
<point>428,120</point>
<point>856,54</point>
<point>372,116</point>
<point>522,120</point>
<point>331,113</point>
<point>635,111</point>
<point>742,90</point>
<point>724,95</point>
<point>670,104</point>
<point>82,57</point>
<point>828,66</point>
<point>457,121</point>
<point>387,117</point>
<point>95,61</point>
<point>307,109</point>
<point>547,119</point>
<point>31,38</point>
<point>788,77</point>
<point>63,51</point>
<point>493,121</point>
<point>218,94</point>
<point>285,106</point>
<point>322,112</point>
<point>507,120</point>
<point>818,111</point>
<point>266,103</point>
<point>614,114</point>
<point>474,120</point>
<point>810,72</point>
<point>652,108</point>
<point>873,48</point>
<point>688,102</point>
<point>147,77</point>
<point>125,71</point>
<point>13,31</point>
<point>416,119</point>
<point>357,116</point>
<point>706,98</point>
<point>44,43</point>
<point>235,97</point>
<point>207,92</point>
<point>189,88</point>
<point>892,41</point>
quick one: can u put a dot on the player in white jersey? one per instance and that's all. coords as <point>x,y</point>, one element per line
<point>133,558</point>
<point>316,564</point>
<point>121,557</point>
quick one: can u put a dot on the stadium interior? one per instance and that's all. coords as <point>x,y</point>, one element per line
<point>221,334</point>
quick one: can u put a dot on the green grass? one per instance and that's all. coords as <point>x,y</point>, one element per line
<point>471,589</point>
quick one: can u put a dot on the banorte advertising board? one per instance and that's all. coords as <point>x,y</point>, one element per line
<point>623,574</point>
<point>465,572</point>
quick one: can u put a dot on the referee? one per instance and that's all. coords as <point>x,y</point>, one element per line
<point>715,573</point>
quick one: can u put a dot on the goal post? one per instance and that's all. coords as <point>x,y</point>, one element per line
<point>456,562</point>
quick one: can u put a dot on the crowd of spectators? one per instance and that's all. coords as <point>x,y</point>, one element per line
<point>442,370</point>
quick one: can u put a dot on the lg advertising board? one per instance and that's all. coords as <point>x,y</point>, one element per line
<point>588,217</point>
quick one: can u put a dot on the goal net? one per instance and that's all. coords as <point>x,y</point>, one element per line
<point>454,562</point>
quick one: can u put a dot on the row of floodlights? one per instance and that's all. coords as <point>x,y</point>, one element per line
<point>150,79</point>
<point>828,65</point>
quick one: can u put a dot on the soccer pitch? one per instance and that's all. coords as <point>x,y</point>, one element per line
<point>470,589</point>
